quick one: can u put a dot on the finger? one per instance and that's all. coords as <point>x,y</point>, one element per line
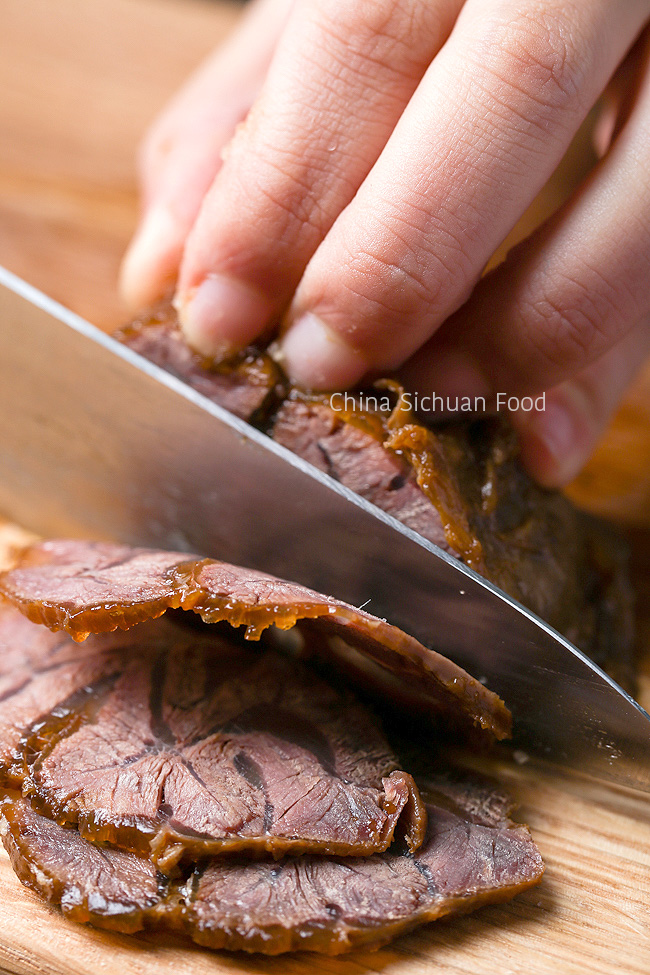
<point>557,442</point>
<point>563,297</point>
<point>486,128</point>
<point>182,152</point>
<point>619,98</point>
<point>339,81</point>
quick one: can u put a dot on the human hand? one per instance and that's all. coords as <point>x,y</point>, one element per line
<point>391,147</point>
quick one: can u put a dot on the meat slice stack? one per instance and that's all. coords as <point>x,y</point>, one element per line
<point>163,773</point>
<point>459,485</point>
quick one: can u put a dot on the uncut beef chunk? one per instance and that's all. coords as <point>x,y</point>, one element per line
<point>462,487</point>
<point>215,747</point>
<point>354,454</point>
<point>472,855</point>
<point>248,385</point>
<point>84,586</point>
<point>564,565</point>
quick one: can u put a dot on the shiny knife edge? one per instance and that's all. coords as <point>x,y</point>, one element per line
<point>249,433</point>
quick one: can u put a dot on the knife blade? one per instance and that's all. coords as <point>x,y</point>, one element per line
<point>98,442</point>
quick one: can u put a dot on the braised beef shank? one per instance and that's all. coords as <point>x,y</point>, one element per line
<point>459,484</point>
<point>85,587</point>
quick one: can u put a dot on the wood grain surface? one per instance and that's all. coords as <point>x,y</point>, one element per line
<point>79,81</point>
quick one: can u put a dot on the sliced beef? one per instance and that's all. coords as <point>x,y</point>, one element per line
<point>214,747</point>
<point>472,855</point>
<point>38,669</point>
<point>109,888</point>
<point>83,587</point>
<point>249,385</point>
<point>183,715</point>
<point>183,742</point>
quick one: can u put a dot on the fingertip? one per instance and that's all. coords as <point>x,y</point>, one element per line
<point>317,358</point>
<point>541,461</point>
<point>222,315</point>
<point>557,440</point>
<point>150,264</point>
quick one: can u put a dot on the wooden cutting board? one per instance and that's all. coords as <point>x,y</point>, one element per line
<point>79,80</point>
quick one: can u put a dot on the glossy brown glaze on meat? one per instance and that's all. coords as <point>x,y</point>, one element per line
<point>354,454</point>
<point>109,888</point>
<point>210,747</point>
<point>463,488</point>
<point>468,859</point>
<point>84,586</point>
<point>472,855</point>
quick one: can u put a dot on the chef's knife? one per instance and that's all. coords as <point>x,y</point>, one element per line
<point>97,442</point>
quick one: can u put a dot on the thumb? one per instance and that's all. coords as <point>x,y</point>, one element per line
<point>557,442</point>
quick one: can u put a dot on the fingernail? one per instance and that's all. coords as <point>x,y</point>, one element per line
<point>222,315</point>
<point>150,264</point>
<point>555,440</point>
<point>315,357</point>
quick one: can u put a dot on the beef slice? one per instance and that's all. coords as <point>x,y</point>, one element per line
<point>84,587</point>
<point>472,855</point>
<point>213,747</point>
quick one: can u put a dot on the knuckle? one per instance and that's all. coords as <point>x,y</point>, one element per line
<point>394,284</point>
<point>170,130</point>
<point>398,286</point>
<point>560,336</point>
<point>278,199</point>
<point>383,291</point>
<point>268,170</point>
<point>381,31</point>
<point>540,53</point>
<point>435,253</point>
<point>577,323</point>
